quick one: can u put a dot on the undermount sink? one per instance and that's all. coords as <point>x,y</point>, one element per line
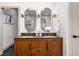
<point>28,34</point>
<point>48,34</point>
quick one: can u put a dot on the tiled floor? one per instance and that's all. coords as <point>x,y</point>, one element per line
<point>8,52</point>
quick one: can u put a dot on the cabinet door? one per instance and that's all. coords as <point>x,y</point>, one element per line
<point>34,47</point>
<point>39,47</point>
<point>21,47</point>
<point>43,47</point>
<point>27,47</point>
<point>55,47</point>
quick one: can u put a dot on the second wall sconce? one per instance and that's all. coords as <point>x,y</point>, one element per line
<point>38,15</point>
<point>22,15</point>
<point>54,14</point>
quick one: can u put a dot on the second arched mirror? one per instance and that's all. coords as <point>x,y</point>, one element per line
<point>46,19</point>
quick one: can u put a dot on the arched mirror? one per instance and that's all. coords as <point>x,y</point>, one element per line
<point>46,19</point>
<point>30,20</point>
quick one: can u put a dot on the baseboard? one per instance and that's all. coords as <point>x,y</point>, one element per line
<point>8,46</point>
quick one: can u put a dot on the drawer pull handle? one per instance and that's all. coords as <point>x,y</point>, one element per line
<point>46,46</point>
<point>29,47</point>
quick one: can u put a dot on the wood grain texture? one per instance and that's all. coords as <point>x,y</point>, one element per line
<point>38,47</point>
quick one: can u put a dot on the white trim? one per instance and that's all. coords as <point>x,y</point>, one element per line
<point>2,24</point>
<point>1,48</point>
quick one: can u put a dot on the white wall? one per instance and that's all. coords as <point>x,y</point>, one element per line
<point>1,32</point>
<point>70,34</point>
<point>61,8</point>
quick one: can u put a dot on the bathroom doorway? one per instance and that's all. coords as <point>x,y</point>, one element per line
<point>10,26</point>
<point>74,30</point>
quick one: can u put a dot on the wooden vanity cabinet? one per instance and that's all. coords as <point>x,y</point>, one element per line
<point>38,47</point>
<point>21,47</point>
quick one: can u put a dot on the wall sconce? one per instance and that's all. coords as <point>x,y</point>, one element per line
<point>38,15</point>
<point>54,14</point>
<point>22,15</point>
<point>2,8</point>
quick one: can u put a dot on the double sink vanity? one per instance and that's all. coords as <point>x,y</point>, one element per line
<point>38,45</point>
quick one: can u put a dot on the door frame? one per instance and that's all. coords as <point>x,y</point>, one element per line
<point>70,39</point>
<point>70,32</point>
<point>17,19</point>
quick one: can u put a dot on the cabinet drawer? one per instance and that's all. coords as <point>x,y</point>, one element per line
<point>39,52</point>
